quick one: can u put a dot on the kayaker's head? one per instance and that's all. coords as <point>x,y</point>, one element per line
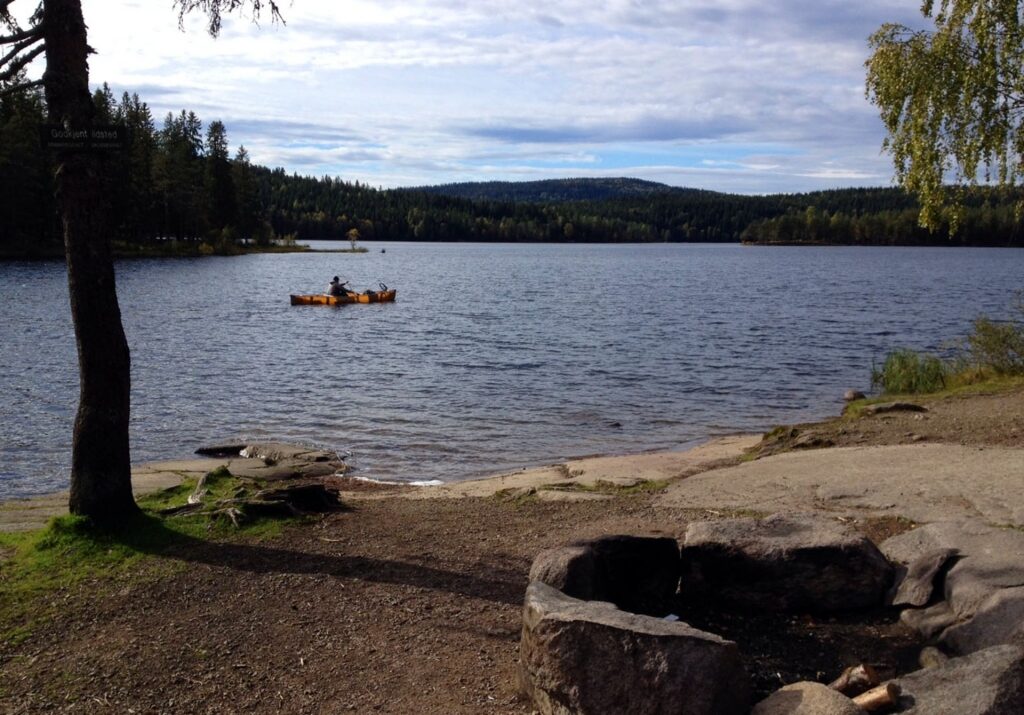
<point>335,279</point>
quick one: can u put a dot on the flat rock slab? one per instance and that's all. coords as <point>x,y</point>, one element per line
<point>590,658</point>
<point>981,602</point>
<point>795,562</point>
<point>923,482</point>
<point>806,698</point>
<point>586,473</point>
<point>989,682</point>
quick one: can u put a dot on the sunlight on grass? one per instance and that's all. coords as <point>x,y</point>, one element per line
<point>39,568</point>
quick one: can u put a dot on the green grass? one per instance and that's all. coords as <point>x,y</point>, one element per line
<point>37,567</point>
<point>909,373</point>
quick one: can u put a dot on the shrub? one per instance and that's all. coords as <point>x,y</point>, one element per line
<point>997,346</point>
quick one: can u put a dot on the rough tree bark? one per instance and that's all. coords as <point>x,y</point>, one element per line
<point>100,461</point>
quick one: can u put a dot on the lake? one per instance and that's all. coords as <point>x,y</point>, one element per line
<point>494,357</point>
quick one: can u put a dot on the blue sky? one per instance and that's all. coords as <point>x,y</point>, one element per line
<point>734,95</point>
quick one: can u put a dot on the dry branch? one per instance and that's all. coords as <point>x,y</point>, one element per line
<point>883,696</point>
<point>857,678</point>
<point>196,497</point>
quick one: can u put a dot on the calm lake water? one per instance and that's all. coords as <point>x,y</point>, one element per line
<point>494,357</point>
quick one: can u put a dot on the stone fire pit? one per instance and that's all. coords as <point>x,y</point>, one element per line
<point>596,639</point>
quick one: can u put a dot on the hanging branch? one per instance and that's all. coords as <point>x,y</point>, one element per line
<point>213,9</point>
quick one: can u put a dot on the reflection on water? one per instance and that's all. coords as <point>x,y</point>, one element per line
<point>493,357</point>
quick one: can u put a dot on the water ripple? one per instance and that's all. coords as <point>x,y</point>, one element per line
<point>493,357</point>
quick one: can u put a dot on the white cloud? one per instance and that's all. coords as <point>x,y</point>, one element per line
<point>732,94</point>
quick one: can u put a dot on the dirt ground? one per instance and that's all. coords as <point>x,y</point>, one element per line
<point>396,605</point>
<point>970,420</point>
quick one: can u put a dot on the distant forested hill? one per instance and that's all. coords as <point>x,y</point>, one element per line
<point>549,191</point>
<point>178,180</point>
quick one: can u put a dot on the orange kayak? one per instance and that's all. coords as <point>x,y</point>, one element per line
<point>373,296</point>
<point>370,296</point>
<point>321,299</point>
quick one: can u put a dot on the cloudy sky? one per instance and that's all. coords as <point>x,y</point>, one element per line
<point>733,95</point>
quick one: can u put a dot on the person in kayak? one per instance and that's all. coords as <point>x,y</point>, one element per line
<point>336,287</point>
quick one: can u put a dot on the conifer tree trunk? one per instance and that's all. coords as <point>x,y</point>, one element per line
<point>100,463</point>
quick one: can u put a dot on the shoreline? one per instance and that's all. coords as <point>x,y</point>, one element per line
<point>579,474</point>
<point>992,420</point>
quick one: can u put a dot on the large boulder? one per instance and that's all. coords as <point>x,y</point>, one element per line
<point>988,682</point>
<point>591,658</point>
<point>636,573</point>
<point>570,569</point>
<point>997,619</point>
<point>797,562</point>
<point>915,582</point>
<point>806,698</point>
<point>981,595</point>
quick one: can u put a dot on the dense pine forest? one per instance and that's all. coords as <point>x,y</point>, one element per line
<point>178,187</point>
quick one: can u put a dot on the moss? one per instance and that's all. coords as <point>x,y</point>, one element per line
<point>646,486</point>
<point>516,496</point>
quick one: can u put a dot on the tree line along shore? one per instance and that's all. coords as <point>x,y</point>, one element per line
<point>179,188</point>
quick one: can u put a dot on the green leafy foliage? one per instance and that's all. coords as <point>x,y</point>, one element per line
<point>951,100</point>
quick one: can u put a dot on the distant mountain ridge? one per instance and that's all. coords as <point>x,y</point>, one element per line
<point>552,190</point>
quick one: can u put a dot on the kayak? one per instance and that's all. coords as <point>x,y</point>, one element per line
<point>371,296</point>
<point>321,299</point>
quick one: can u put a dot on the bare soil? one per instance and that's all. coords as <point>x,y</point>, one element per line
<point>394,606</point>
<point>970,420</point>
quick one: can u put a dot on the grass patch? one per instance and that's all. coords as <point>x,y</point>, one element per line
<point>909,373</point>
<point>57,559</point>
<point>40,566</point>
